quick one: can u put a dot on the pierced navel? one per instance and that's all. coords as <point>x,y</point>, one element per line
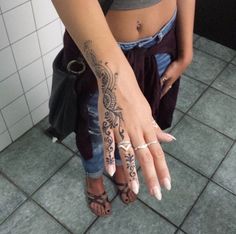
<point>139,25</point>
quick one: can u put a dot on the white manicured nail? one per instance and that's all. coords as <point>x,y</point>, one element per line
<point>134,187</point>
<point>111,169</point>
<point>157,193</point>
<point>167,183</point>
<point>171,136</point>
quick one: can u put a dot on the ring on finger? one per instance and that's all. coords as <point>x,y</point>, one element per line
<point>152,142</point>
<point>165,78</point>
<point>125,145</point>
<point>143,146</point>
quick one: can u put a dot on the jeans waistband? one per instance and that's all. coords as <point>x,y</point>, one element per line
<point>149,41</point>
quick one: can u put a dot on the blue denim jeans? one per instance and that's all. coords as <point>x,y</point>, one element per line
<point>94,167</point>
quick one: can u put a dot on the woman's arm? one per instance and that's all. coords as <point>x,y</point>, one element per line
<point>124,113</point>
<point>184,32</point>
<point>185,23</point>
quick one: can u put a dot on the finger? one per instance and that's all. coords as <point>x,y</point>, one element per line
<point>163,79</point>
<point>161,135</point>
<point>159,161</point>
<point>166,87</point>
<point>128,161</point>
<point>109,147</point>
<point>147,165</point>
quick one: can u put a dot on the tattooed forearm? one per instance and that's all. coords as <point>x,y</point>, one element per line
<point>113,113</point>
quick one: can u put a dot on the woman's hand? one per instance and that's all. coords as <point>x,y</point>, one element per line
<point>172,73</point>
<point>126,120</point>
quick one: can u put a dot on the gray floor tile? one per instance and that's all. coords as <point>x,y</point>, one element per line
<point>215,49</point>
<point>134,218</point>
<point>195,37</point>
<point>189,91</point>
<point>180,232</point>
<point>10,198</point>
<point>70,142</point>
<point>31,219</point>
<point>32,159</point>
<point>63,196</point>
<point>186,185</point>
<point>214,213</point>
<point>177,115</point>
<point>199,146</point>
<point>43,124</point>
<point>218,111</point>
<point>226,174</point>
<point>234,61</point>
<point>204,67</point>
<point>226,82</point>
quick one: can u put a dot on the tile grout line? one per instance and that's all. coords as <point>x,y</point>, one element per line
<point>203,190</point>
<point>3,12</point>
<point>17,72</point>
<point>212,87</point>
<point>40,48</point>
<point>157,212</point>
<point>213,55</point>
<point>30,196</point>
<point>54,218</point>
<point>33,61</point>
<point>97,218</point>
<point>202,174</point>
<point>27,35</point>
<point>200,96</point>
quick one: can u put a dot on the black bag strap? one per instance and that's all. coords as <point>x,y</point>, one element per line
<point>71,51</point>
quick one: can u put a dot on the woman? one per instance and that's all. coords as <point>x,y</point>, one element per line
<point>126,128</point>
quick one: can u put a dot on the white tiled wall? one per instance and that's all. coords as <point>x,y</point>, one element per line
<point>30,37</point>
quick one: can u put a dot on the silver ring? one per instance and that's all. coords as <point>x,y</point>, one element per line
<point>165,78</point>
<point>141,147</point>
<point>125,145</point>
<point>152,142</point>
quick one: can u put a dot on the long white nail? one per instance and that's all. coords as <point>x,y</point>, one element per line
<point>157,193</point>
<point>167,183</point>
<point>111,169</point>
<point>171,136</point>
<point>134,186</point>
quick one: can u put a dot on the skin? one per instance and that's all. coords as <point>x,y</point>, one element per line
<point>124,113</point>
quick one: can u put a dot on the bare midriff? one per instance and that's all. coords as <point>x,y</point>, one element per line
<point>132,25</point>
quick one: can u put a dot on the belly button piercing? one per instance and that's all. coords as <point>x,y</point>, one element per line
<point>138,25</point>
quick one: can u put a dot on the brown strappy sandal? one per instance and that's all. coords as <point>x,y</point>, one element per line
<point>123,188</point>
<point>99,199</point>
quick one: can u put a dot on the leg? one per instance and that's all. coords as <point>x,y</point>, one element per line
<point>97,197</point>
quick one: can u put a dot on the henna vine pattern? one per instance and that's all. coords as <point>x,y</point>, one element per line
<point>113,113</point>
<point>130,165</point>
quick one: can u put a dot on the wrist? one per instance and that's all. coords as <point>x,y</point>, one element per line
<point>185,57</point>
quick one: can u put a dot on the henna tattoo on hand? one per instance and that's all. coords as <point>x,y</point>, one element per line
<point>130,165</point>
<point>113,113</point>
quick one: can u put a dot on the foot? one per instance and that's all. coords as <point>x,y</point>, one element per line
<point>97,197</point>
<point>126,194</point>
